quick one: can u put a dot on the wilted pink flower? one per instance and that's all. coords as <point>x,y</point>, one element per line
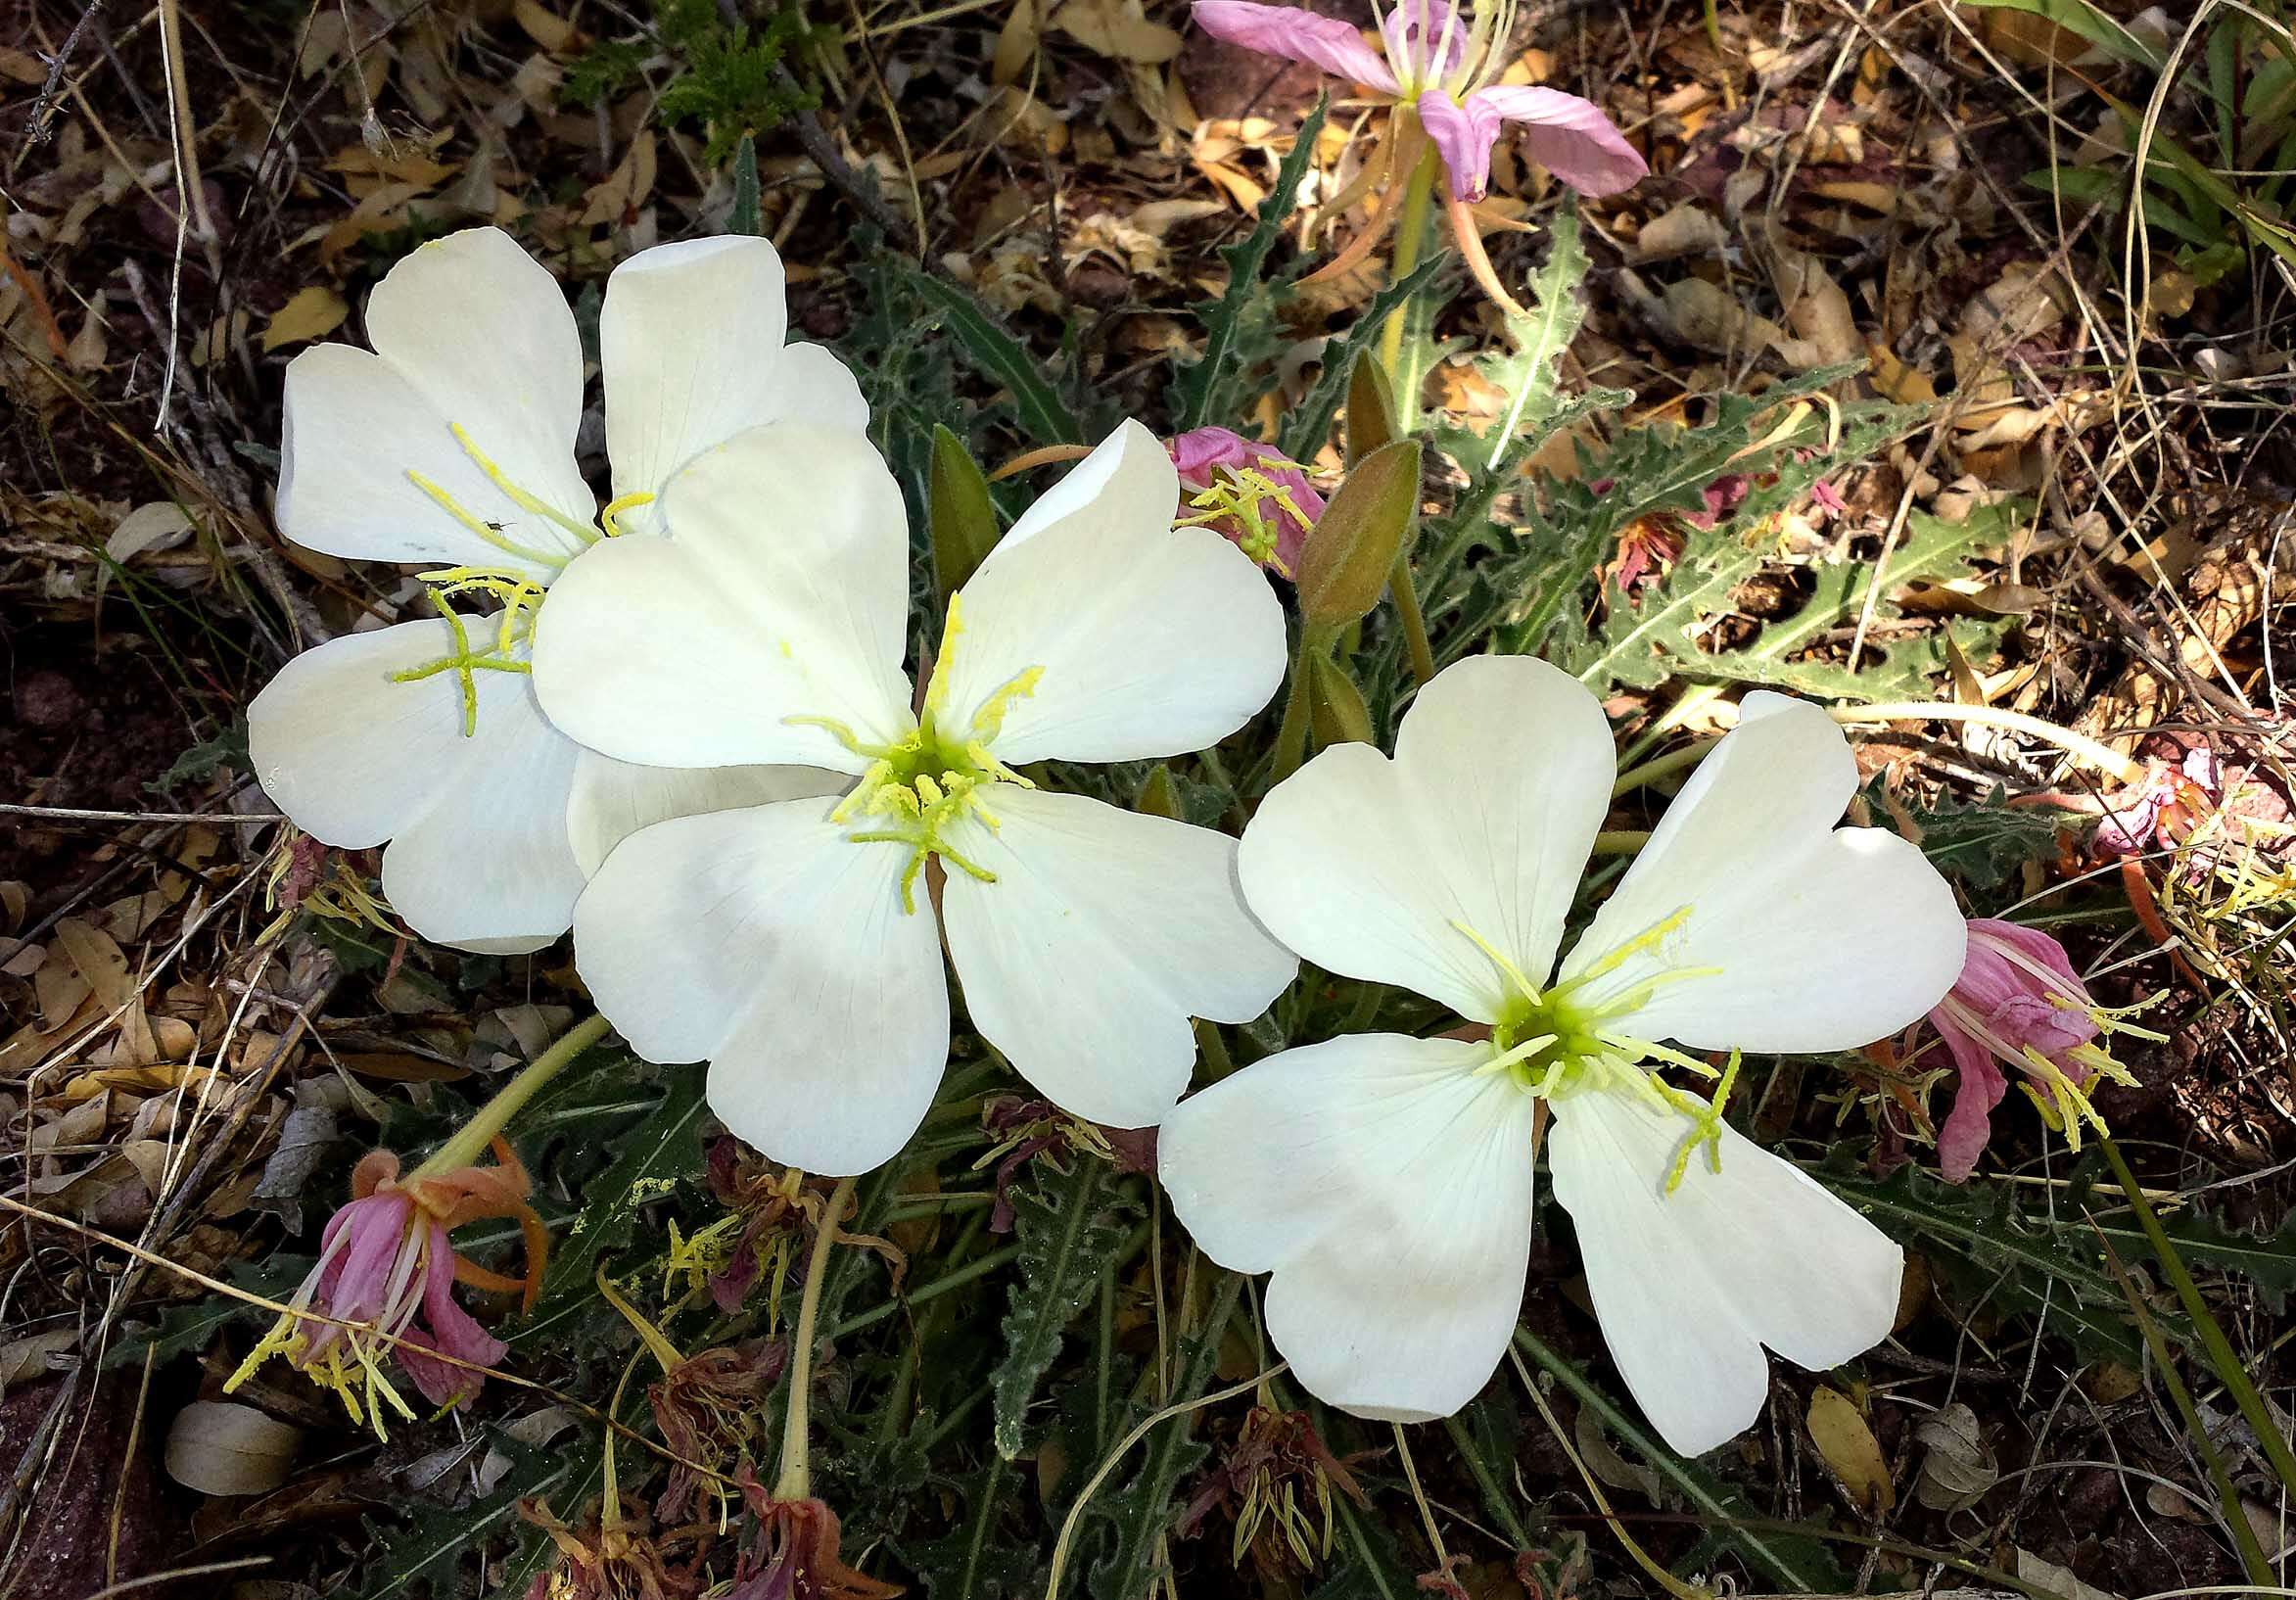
<point>1827,498</point>
<point>1438,60</point>
<point>1246,491</point>
<point>2019,1003</point>
<point>385,1282</point>
<point>794,1555</point>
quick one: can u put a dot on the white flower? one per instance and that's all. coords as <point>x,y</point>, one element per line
<point>796,945</point>
<point>1386,1181</point>
<point>452,444</point>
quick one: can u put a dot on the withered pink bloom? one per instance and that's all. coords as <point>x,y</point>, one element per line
<point>1247,492</point>
<point>2020,1004</point>
<point>1440,61</point>
<point>384,1285</point>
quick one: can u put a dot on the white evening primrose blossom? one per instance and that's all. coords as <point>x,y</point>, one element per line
<point>796,946</point>
<point>1385,1181</point>
<point>452,445</point>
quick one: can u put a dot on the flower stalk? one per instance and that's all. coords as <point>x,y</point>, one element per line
<point>796,1480</point>
<point>473,1137</point>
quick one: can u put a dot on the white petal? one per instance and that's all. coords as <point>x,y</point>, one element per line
<point>690,341</point>
<point>352,756</point>
<point>1371,868</point>
<point>1151,640</point>
<point>1690,1285</point>
<point>1821,938</point>
<point>613,799</point>
<point>469,332</point>
<point>355,429</point>
<point>767,942</point>
<point>1388,1189</point>
<point>1105,931</point>
<point>783,591</point>
<point>490,863</point>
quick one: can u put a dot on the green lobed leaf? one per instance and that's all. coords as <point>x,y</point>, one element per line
<point>429,1550</point>
<point>1068,1239</point>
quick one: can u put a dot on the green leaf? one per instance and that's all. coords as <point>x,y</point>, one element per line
<point>661,1152</point>
<point>959,513</point>
<point>1984,844</point>
<point>1003,360</point>
<point>2082,18</point>
<point>429,1550</point>
<point>1986,1246</point>
<point>1202,387</point>
<point>190,1327</point>
<point>1067,1241</point>
<point>1309,426</point>
<point>1530,376</point>
<point>1795,1560</point>
<point>2266,1261</point>
<point>746,219</point>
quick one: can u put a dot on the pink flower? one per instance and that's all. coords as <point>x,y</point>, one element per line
<point>1246,491</point>
<point>385,1282</point>
<point>1436,59</point>
<point>1827,498</point>
<point>2019,1003</point>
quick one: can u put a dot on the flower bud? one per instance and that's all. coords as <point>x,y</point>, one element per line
<point>1246,492</point>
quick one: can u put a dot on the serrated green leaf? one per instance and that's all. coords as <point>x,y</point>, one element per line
<point>662,1150</point>
<point>1983,845</point>
<point>1003,360</point>
<point>745,218</point>
<point>429,1552</point>
<point>1201,386</point>
<point>1529,374</point>
<point>1066,1242</point>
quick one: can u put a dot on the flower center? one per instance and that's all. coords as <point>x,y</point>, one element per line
<point>1248,506</point>
<point>1565,1040</point>
<point>517,593</point>
<point>924,783</point>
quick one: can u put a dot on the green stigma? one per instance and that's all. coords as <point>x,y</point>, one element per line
<point>917,787</point>
<point>1561,1041</point>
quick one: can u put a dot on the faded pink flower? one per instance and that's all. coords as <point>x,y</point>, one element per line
<point>385,1282</point>
<point>1246,491</point>
<point>1438,60</point>
<point>2019,1003</point>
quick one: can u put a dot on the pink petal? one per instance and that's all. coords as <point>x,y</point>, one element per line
<point>1196,453</point>
<point>1295,34</point>
<point>1465,135</point>
<point>351,1285</point>
<point>450,1329</point>
<point>1961,1139</point>
<point>1570,137</point>
<point>2034,946</point>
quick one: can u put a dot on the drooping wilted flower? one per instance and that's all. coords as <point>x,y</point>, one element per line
<point>2018,1002</point>
<point>385,1275</point>
<point>1280,1485</point>
<point>452,444</point>
<point>711,1408</point>
<point>1247,494</point>
<point>1444,62</point>
<point>793,1555</point>
<point>612,1557</point>
<point>1385,1181</point>
<point>798,946</point>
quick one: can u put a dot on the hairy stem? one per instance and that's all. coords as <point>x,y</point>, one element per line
<point>470,1141</point>
<point>796,1480</point>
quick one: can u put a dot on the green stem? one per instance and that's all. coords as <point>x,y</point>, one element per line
<point>1291,736</point>
<point>471,1140</point>
<point>796,1481</point>
<point>2213,1341</point>
<point>1410,240</point>
<point>1650,772</point>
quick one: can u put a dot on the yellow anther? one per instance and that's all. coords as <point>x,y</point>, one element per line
<point>989,721</point>
<point>478,526</point>
<point>1645,942</point>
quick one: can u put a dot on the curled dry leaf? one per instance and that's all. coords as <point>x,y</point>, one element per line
<point>219,1447</point>
<point>1957,1467</point>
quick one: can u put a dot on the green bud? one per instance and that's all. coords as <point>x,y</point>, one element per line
<point>962,517</point>
<point>1366,529</point>
<point>1160,796</point>
<point>1371,410</point>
